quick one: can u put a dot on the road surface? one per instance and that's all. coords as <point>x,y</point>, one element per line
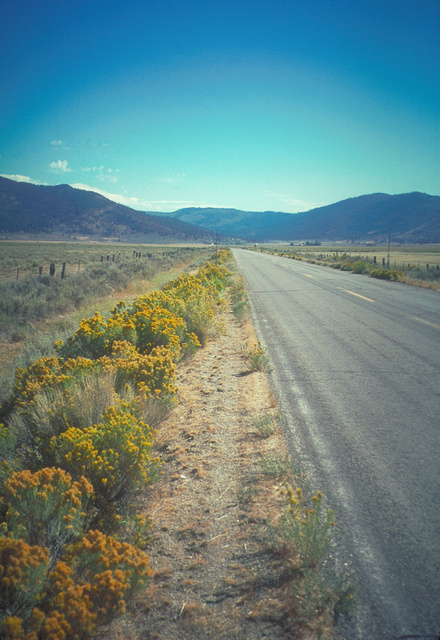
<point>356,372</point>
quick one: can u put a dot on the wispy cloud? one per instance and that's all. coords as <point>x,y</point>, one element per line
<point>294,203</point>
<point>59,144</point>
<point>144,205</point>
<point>108,176</point>
<point>96,144</point>
<point>128,201</point>
<point>187,203</point>
<point>18,178</point>
<point>172,179</point>
<point>103,174</point>
<point>60,166</point>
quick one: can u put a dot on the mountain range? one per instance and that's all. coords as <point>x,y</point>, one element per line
<point>412,218</point>
<point>64,212</point>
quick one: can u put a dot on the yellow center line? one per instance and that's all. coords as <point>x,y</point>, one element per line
<point>430,324</point>
<point>308,275</point>
<point>358,295</point>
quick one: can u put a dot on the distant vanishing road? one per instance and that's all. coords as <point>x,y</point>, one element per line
<point>357,375</point>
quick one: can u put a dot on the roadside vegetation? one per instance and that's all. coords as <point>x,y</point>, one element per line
<point>416,265</point>
<point>37,310</point>
<point>67,563</point>
<point>26,295</point>
<point>79,455</point>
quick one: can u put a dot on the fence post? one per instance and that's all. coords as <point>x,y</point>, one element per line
<point>374,259</point>
<point>63,271</point>
<point>52,269</point>
<point>427,267</point>
<point>383,262</point>
<point>18,272</point>
<point>40,270</point>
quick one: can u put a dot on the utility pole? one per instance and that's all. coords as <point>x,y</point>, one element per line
<point>389,242</point>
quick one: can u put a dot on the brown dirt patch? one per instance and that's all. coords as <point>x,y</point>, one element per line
<point>213,575</point>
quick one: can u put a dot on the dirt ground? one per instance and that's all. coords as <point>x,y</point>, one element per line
<point>214,576</point>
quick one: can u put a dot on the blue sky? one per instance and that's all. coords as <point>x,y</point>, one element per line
<point>278,105</point>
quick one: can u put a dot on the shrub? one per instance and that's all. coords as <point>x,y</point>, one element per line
<point>194,298</point>
<point>48,373</point>
<point>179,317</point>
<point>53,410</point>
<point>142,325</point>
<point>38,297</point>
<point>66,609</point>
<point>318,600</point>
<point>100,555</point>
<point>258,359</point>
<point>210,274</point>
<point>95,336</point>
<point>150,374</point>
<point>71,600</point>
<point>45,372</point>
<point>196,303</point>
<point>305,532</point>
<point>159,327</point>
<point>77,392</point>
<point>114,455</point>
<point>239,299</point>
<point>23,571</point>
<point>46,508</point>
<point>386,274</point>
<point>8,458</point>
<point>361,267</point>
<point>87,411</point>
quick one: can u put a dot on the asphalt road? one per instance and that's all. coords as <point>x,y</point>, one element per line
<point>356,373</point>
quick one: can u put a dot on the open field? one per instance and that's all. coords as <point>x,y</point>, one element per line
<point>400,256</point>
<point>35,311</point>
<point>28,257</point>
<point>417,265</point>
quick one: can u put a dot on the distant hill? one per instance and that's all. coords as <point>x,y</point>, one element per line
<point>413,217</point>
<point>64,212</point>
<point>253,226</point>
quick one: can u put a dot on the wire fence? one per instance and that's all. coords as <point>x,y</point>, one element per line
<point>64,268</point>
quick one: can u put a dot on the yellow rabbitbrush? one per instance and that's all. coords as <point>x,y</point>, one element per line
<point>77,445</point>
<point>115,455</point>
